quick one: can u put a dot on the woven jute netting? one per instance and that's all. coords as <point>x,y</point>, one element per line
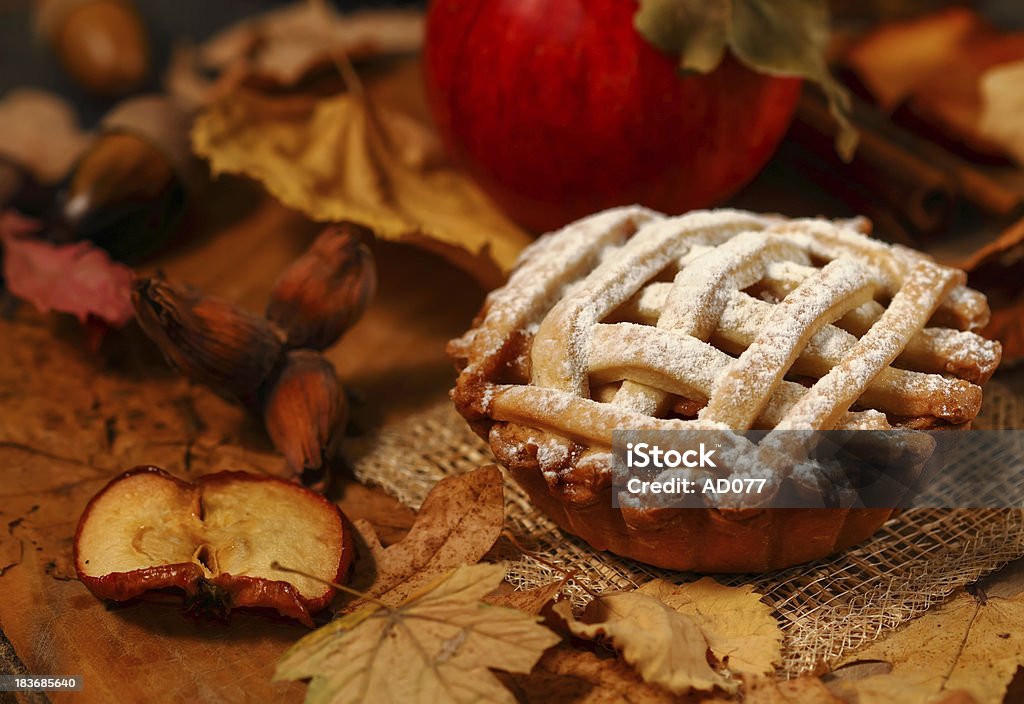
<point>825,608</point>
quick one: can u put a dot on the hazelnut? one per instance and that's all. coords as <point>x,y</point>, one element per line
<point>326,290</point>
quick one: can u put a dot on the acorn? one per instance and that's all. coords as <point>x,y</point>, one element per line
<point>129,189</point>
<point>326,290</point>
<point>210,340</point>
<point>101,43</point>
<point>40,140</point>
<point>305,410</point>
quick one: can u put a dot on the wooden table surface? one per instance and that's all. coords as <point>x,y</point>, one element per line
<point>70,420</point>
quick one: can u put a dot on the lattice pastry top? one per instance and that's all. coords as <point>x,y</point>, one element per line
<point>719,319</point>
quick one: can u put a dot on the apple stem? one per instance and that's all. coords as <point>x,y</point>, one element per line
<point>340,587</point>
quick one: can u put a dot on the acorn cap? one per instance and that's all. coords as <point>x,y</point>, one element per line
<point>166,125</point>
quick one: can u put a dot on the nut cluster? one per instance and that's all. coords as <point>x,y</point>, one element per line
<point>273,364</point>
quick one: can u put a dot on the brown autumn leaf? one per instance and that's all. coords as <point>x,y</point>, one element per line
<point>968,644</point>
<point>284,44</point>
<point>565,674</point>
<point>458,523</point>
<point>376,166</point>
<point>40,132</point>
<point>437,645</point>
<point>934,65</point>
<point>738,626</point>
<point>1002,104</point>
<point>531,601</point>
<point>665,647</point>
<point>805,690</point>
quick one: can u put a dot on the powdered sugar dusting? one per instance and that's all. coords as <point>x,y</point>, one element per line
<point>703,338</point>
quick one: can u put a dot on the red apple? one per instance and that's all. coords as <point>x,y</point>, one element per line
<point>216,539</point>
<point>560,108</point>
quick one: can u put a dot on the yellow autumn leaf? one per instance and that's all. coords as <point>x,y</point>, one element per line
<point>375,166</point>
<point>738,626</point>
<point>438,646</point>
<point>965,644</point>
<point>665,647</point>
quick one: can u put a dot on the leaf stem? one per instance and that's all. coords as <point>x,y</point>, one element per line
<point>349,75</point>
<point>275,565</point>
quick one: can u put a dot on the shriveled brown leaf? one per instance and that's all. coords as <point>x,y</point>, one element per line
<point>967,644</point>
<point>39,131</point>
<point>934,65</point>
<point>1002,104</point>
<point>666,647</point>
<point>530,601</point>
<point>284,44</point>
<point>458,523</point>
<point>738,626</point>
<point>438,645</point>
<point>376,167</point>
<point>895,58</point>
<point>805,690</point>
<point>567,675</point>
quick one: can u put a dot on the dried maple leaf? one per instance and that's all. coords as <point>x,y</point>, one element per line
<point>934,65</point>
<point>666,647</point>
<point>78,278</point>
<point>565,674</point>
<point>374,166</point>
<point>284,44</point>
<point>805,690</point>
<point>969,644</point>
<point>531,601</point>
<point>438,645</point>
<point>1002,100</point>
<point>38,130</point>
<point>458,523</point>
<point>738,626</point>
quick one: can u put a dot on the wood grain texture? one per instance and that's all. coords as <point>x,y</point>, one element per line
<point>71,420</point>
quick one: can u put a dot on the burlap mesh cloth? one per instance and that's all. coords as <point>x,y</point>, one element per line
<point>825,608</point>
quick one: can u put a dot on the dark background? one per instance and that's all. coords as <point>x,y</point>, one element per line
<point>25,61</point>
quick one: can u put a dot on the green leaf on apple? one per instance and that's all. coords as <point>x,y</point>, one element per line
<point>777,37</point>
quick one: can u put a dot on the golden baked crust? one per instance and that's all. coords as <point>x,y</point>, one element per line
<point>715,319</point>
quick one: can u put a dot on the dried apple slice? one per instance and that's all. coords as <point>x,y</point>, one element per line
<point>216,539</point>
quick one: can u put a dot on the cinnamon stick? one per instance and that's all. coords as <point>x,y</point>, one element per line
<point>918,180</point>
<point>920,193</point>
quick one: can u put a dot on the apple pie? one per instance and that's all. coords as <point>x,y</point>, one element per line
<point>630,319</point>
